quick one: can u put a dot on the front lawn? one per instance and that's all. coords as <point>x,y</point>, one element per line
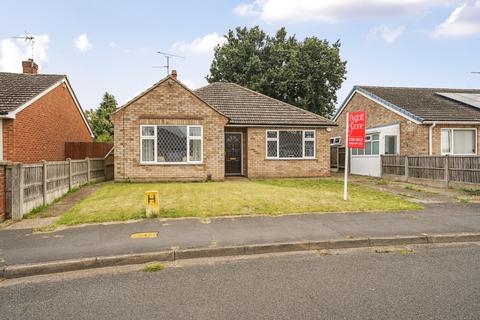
<point>125,201</point>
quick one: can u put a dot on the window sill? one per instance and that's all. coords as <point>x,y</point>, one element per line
<point>289,159</point>
<point>172,164</point>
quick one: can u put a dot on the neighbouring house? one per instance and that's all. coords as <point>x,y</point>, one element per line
<point>170,132</point>
<point>410,121</point>
<point>38,113</point>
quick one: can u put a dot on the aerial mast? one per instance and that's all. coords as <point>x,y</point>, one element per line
<point>167,57</point>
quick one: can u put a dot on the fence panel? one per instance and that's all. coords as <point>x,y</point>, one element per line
<point>462,169</point>
<point>82,150</point>
<point>33,185</point>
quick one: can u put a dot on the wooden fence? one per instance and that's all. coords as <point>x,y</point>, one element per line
<point>443,169</point>
<point>82,150</point>
<point>337,157</point>
<point>28,186</point>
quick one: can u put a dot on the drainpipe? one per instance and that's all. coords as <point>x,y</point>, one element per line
<point>430,138</point>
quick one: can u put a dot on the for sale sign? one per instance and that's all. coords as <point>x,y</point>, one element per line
<point>356,129</point>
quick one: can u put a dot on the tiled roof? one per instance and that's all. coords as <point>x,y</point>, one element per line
<point>246,107</point>
<point>426,103</point>
<point>18,88</point>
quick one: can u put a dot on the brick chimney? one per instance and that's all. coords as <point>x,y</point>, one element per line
<point>30,67</point>
<point>174,74</point>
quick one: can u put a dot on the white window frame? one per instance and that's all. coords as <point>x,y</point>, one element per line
<point>155,139</point>
<point>335,141</point>
<point>277,139</point>
<point>452,130</point>
<point>369,138</point>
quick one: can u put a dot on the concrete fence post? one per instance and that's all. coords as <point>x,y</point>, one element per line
<point>17,191</point>
<point>45,181</point>
<point>88,170</point>
<point>446,172</point>
<point>406,168</point>
<point>70,174</point>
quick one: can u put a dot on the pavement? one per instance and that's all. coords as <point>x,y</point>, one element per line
<point>430,282</point>
<point>23,246</point>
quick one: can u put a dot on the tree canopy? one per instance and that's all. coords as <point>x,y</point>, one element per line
<point>304,73</point>
<point>99,118</point>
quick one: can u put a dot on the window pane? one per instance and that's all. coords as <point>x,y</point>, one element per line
<point>272,134</point>
<point>375,147</point>
<point>309,134</point>
<point>195,131</point>
<point>354,151</point>
<point>446,141</point>
<point>148,131</point>
<point>463,141</point>
<point>172,144</point>
<point>272,148</point>
<point>309,148</point>
<point>390,144</point>
<point>360,152</point>
<point>291,144</point>
<point>376,136</point>
<point>148,146</point>
<point>368,147</point>
<point>195,150</point>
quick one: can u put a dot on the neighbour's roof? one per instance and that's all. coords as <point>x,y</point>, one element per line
<point>428,104</point>
<point>246,107</point>
<point>18,88</point>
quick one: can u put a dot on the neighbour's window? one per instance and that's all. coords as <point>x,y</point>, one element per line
<point>171,144</point>
<point>290,144</point>
<point>459,141</point>
<point>390,144</point>
<point>372,146</point>
<point>335,141</point>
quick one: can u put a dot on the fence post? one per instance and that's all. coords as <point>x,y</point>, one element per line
<point>44,174</point>
<point>17,191</point>
<point>447,173</point>
<point>70,175</point>
<point>406,168</point>
<point>88,170</point>
<point>105,168</point>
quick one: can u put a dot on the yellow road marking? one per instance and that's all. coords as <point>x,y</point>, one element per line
<point>144,235</point>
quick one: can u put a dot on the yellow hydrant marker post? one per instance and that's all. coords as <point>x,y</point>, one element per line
<point>152,206</point>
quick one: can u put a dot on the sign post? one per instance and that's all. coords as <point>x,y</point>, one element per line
<point>152,206</point>
<point>355,137</point>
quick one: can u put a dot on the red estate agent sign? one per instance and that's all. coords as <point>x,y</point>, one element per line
<point>356,129</point>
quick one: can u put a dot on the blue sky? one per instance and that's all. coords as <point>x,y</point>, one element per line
<point>111,45</point>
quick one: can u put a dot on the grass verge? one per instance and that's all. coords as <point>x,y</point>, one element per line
<point>125,201</point>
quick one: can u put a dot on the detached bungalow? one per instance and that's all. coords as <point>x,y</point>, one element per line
<point>411,121</point>
<point>170,132</point>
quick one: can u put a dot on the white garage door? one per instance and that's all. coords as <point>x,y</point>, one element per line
<point>378,140</point>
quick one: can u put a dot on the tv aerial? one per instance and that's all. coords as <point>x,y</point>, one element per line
<point>477,72</point>
<point>167,58</point>
<point>29,40</point>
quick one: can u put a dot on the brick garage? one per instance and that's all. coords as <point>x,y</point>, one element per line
<point>233,122</point>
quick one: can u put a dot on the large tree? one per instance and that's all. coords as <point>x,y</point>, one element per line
<point>304,73</point>
<point>100,118</point>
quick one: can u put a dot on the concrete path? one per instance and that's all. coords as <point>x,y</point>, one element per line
<point>23,246</point>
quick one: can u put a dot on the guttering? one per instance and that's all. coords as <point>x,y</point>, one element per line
<point>430,138</point>
<point>280,126</point>
<point>452,122</point>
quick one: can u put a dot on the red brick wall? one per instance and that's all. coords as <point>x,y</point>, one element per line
<point>39,132</point>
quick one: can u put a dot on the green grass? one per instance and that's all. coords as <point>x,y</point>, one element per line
<point>153,267</point>
<point>125,201</point>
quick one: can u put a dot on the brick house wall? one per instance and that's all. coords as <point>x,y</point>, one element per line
<point>413,137</point>
<point>168,103</point>
<point>2,191</point>
<point>260,167</point>
<point>39,132</point>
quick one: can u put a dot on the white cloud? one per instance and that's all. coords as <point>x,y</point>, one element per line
<point>14,51</point>
<point>202,45</point>
<point>332,10</point>
<point>387,33</point>
<point>82,43</point>
<point>112,44</point>
<point>464,21</point>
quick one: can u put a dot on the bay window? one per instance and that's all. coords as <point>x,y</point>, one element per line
<point>459,141</point>
<point>168,144</point>
<point>290,144</point>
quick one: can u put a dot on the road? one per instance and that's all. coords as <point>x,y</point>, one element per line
<point>432,282</point>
